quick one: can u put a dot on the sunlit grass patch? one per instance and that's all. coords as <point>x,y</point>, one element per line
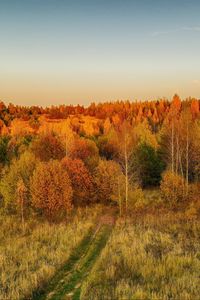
<point>144,261</point>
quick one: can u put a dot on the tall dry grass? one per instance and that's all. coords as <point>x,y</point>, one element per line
<point>28,260</point>
<point>157,258</point>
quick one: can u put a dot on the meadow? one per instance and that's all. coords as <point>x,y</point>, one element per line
<point>29,259</point>
<point>151,257</point>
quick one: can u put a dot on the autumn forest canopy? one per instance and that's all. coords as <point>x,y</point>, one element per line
<point>54,159</point>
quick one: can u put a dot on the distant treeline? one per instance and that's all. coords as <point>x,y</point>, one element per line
<point>118,111</point>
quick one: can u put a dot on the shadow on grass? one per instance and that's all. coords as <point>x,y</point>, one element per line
<point>40,294</point>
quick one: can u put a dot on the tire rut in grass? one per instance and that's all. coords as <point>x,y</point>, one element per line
<point>67,283</point>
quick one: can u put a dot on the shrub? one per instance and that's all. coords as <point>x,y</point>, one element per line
<point>137,199</point>
<point>172,188</point>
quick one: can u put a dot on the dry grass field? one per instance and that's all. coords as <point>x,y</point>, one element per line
<point>151,258</point>
<point>28,260</point>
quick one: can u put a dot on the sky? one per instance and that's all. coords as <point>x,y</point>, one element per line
<point>83,51</point>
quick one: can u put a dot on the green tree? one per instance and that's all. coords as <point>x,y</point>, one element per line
<point>4,149</point>
<point>20,168</point>
<point>149,164</point>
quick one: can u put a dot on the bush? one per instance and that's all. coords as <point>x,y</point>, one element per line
<point>172,189</point>
<point>137,199</point>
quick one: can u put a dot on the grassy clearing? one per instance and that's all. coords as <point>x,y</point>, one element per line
<point>154,258</point>
<point>28,260</point>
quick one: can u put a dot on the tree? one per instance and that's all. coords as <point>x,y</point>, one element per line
<point>107,144</point>
<point>48,146</point>
<point>3,149</point>
<point>21,199</point>
<point>149,164</point>
<point>20,168</point>
<point>170,135</point>
<point>81,180</point>
<point>17,145</point>
<point>107,126</point>
<point>183,138</point>
<point>108,178</point>
<point>143,134</point>
<point>195,109</point>
<point>87,151</point>
<point>51,189</point>
<point>126,144</point>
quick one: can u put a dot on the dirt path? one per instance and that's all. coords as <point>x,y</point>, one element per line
<point>66,284</point>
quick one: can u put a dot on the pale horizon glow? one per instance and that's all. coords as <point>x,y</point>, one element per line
<point>77,52</point>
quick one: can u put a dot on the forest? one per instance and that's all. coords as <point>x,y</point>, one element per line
<point>100,202</point>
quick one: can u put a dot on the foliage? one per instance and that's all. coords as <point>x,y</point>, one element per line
<point>20,168</point>
<point>137,199</point>
<point>17,145</point>
<point>34,123</point>
<point>149,164</point>
<point>3,149</point>
<point>172,189</point>
<point>48,146</point>
<point>107,177</point>
<point>51,189</point>
<point>81,180</point>
<point>144,135</point>
<point>107,144</point>
<point>87,151</point>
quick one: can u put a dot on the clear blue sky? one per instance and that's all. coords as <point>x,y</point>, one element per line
<point>78,51</point>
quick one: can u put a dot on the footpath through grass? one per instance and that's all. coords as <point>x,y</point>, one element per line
<point>66,284</point>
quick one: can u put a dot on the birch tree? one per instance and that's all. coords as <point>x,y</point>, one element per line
<point>126,143</point>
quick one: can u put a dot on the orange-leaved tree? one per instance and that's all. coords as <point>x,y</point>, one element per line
<point>48,146</point>
<point>51,189</point>
<point>85,150</point>
<point>81,180</point>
